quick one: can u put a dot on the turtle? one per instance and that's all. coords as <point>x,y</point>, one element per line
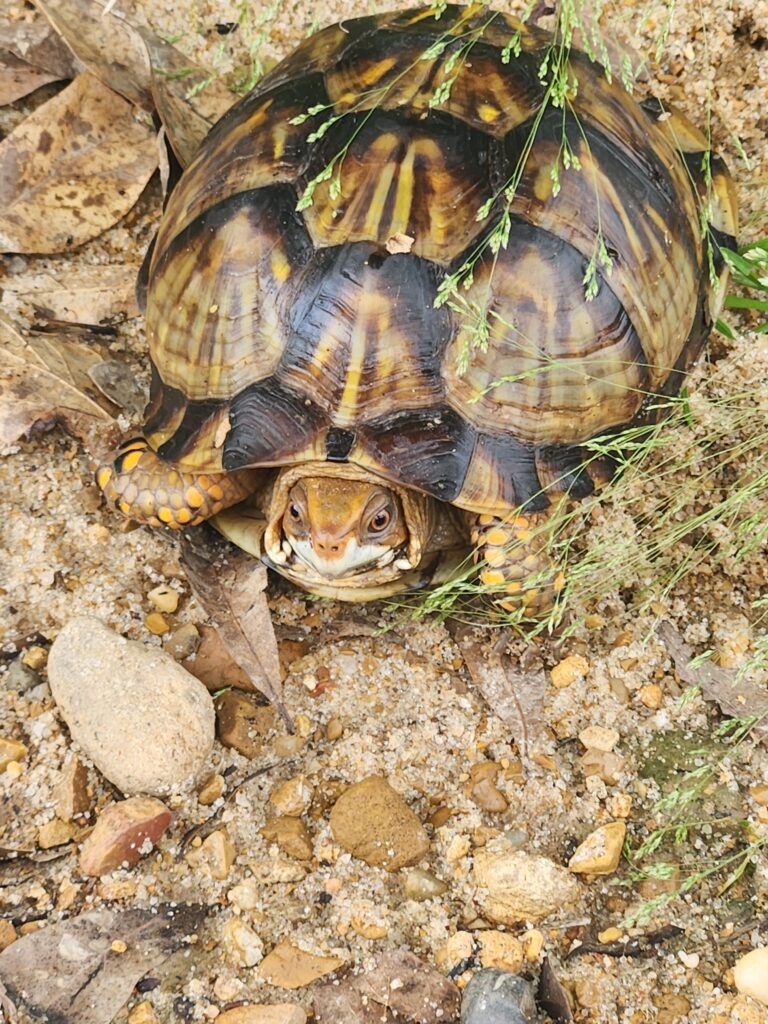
<point>397,293</point>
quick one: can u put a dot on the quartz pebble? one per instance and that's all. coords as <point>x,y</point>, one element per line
<point>517,886</point>
<point>157,624</point>
<point>292,798</point>
<point>212,788</point>
<point>600,852</point>
<point>242,724</point>
<point>372,821</point>
<point>164,598</point>
<point>216,855</point>
<point>598,737</point>
<point>10,751</point>
<point>244,947</point>
<point>145,722</point>
<point>750,974</point>
<point>277,1013</point>
<point>421,884</point>
<point>569,670</point>
<point>501,950</point>
<point>124,832</point>
<point>497,997</point>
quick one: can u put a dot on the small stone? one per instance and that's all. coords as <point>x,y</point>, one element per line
<point>274,870</point>
<point>244,896</point>
<point>146,723</point>
<point>588,993</point>
<point>35,657</point>
<point>372,821</point>
<point>520,886</point>
<point>291,835</point>
<point>118,946</point>
<point>497,997</point>
<point>288,746</point>
<point>421,884</point>
<point>216,855</point>
<point>288,966</point>
<point>459,947</point>
<point>499,949</point>
<point>598,737</point>
<point>164,598</point>
<point>533,943</point>
<point>143,1013</point>
<point>569,670</point>
<point>672,1006</point>
<point>156,624</point>
<point>124,832</point>
<point>244,947</point>
<point>7,934</point>
<point>277,1013</point>
<point>457,848</point>
<point>182,642</point>
<point>242,724</point>
<point>609,935</point>
<point>760,794</point>
<point>750,974</point>
<point>20,677</point>
<point>117,889</point>
<point>334,729</point>
<point>68,893</point>
<point>368,929</point>
<point>606,765</point>
<point>651,695</point>
<point>11,750</point>
<point>690,960</point>
<point>54,833</point>
<point>489,797</point>
<point>620,805</point>
<point>71,793</point>
<point>600,852</point>
<point>292,798</point>
<point>212,788</point>
<point>14,769</point>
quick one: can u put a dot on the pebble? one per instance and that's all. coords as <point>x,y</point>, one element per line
<point>20,677</point>
<point>10,751</point>
<point>216,855</point>
<point>532,942</point>
<point>500,950</point>
<point>71,792</point>
<point>35,658</point>
<point>124,832</point>
<point>212,788</point>
<point>334,729</point>
<point>292,798</point>
<point>156,624</point>
<point>144,721</point>
<point>598,737</point>
<point>569,670</point>
<point>288,966</point>
<point>291,835</point>
<point>612,934</point>
<point>497,997</point>
<point>7,934</point>
<point>460,946</point>
<point>420,884</point>
<point>750,974</point>
<point>182,642</point>
<point>651,695</point>
<point>244,896</point>
<point>241,724</point>
<point>604,764</point>
<point>164,598</point>
<point>143,1013</point>
<point>278,1013</point>
<point>760,794</point>
<point>54,833</point>
<point>243,946</point>
<point>600,852</point>
<point>520,886</point>
<point>372,821</point>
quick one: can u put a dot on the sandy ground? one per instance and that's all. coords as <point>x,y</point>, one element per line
<point>408,707</point>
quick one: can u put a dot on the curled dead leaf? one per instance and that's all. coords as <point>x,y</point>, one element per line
<point>87,295</point>
<point>72,169</point>
<point>399,243</point>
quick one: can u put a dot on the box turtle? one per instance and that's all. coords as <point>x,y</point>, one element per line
<point>399,288</point>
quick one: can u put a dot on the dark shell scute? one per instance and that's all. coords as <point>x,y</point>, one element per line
<point>270,424</point>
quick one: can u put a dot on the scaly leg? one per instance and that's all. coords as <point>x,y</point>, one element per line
<point>517,563</point>
<point>144,488</point>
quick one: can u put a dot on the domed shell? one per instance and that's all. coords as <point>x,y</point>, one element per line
<point>295,307</point>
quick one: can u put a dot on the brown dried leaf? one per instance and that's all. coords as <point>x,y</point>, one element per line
<point>17,78</point>
<point>737,696</point>
<point>72,169</point>
<point>110,48</point>
<point>68,972</point>
<point>231,586</point>
<point>421,995</point>
<point>187,115</point>
<point>214,666</point>
<point>514,694</point>
<point>117,383</point>
<point>87,295</point>
<point>38,45</point>
<point>41,384</point>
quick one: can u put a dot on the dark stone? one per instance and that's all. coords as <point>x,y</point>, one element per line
<point>497,997</point>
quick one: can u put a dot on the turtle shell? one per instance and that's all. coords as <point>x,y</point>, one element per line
<point>283,328</point>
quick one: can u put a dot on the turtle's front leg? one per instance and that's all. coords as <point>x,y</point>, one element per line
<point>517,564</point>
<point>145,488</point>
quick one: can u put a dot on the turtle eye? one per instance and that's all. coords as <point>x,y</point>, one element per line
<point>380,521</point>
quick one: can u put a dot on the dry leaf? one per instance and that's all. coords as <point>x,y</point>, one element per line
<point>39,46</point>
<point>109,47</point>
<point>88,295</point>
<point>399,243</point>
<point>68,972</point>
<point>288,966</point>
<point>214,666</point>
<point>186,114</point>
<point>738,697</point>
<point>17,78</point>
<point>231,586</point>
<point>41,385</point>
<point>551,997</point>
<point>397,986</point>
<point>72,169</point>
<point>514,694</point>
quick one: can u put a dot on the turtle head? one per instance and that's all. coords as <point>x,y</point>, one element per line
<point>343,527</point>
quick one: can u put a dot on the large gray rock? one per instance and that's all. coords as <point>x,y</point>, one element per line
<point>497,997</point>
<point>144,721</point>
